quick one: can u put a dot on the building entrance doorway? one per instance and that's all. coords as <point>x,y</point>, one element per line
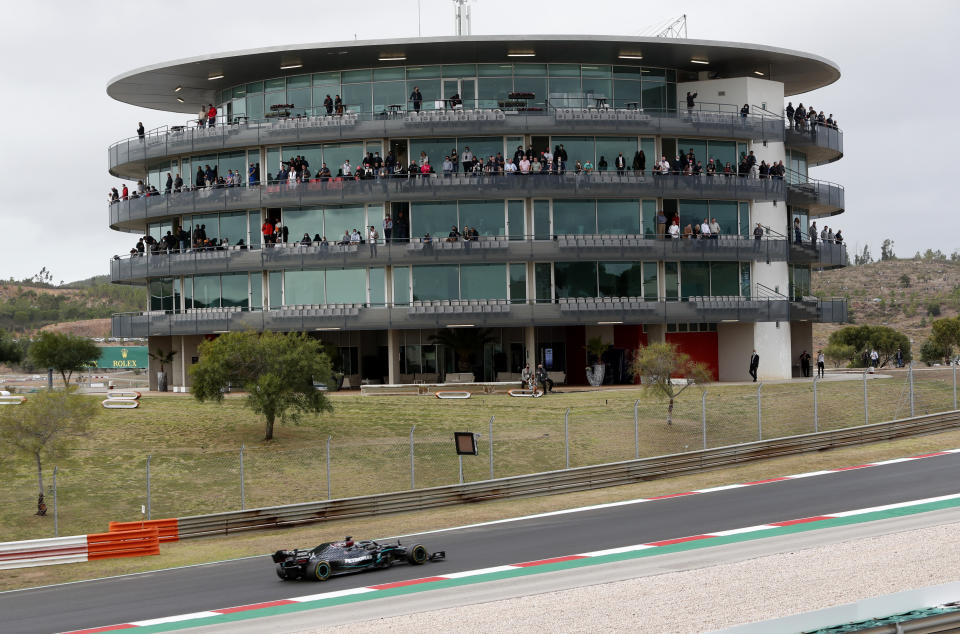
<point>399,149</point>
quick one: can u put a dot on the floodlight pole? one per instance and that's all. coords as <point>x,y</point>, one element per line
<point>866,409</point>
<point>566,437</point>
<point>910,376</point>
<point>759,412</point>
<point>703,417</point>
<point>413,482</point>
<point>636,430</point>
<point>816,419</point>
<point>56,515</point>
<point>243,496</point>
<point>954,364</point>
<point>328,467</point>
<point>491,447</point>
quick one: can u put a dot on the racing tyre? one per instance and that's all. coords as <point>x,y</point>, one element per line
<point>417,555</point>
<point>319,570</point>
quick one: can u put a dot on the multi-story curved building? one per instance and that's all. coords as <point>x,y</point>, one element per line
<point>559,258</point>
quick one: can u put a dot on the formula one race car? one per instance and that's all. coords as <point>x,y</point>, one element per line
<point>340,558</point>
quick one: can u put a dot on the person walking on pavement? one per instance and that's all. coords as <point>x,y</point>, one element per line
<point>754,364</point>
<point>820,363</point>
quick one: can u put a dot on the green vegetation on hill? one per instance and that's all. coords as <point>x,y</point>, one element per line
<point>28,305</point>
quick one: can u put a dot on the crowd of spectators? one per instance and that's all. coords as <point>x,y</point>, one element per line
<point>688,165</point>
<point>807,119</point>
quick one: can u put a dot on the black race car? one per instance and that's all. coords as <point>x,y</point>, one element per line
<point>339,558</point>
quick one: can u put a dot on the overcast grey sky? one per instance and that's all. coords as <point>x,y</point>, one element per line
<point>896,99</point>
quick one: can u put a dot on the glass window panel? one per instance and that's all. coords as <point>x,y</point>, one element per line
<point>692,211</point>
<point>518,283</point>
<point>356,97</point>
<point>494,90</point>
<point>298,81</point>
<point>654,94</point>
<point>236,161</point>
<point>745,279</point>
<point>378,290</point>
<point>334,154</point>
<point>256,86</point>
<point>429,88</point>
<point>435,149</point>
<point>541,220</point>
<point>346,286</point>
<point>401,285</point>
<point>649,148</point>
<point>592,70</point>
<point>495,70</point>
<point>256,291</point>
<point>651,290</point>
<point>326,78</point>
<point>530,70</point>
<point>388,93</point>
<point>671,96</point>
<point>565,92</point>
<point>176,305</point>
<point>273,163</point>
<point>649,218</point>
<point>253,224</point>
<point>628,72</point>
<point>515,217</point>
<point>273,99</point>
<point>302,287</point>
<point>483,281</point>
<point>301,221</point>
<point>671,280</point>
<point>155,288</point>
<point>337,220</point>
<point>723,152</point>
<point>233,227</point>
<point>564,70</point>
<point>694,279</point>
<point>671,75</point>
<point>188,292</point>
<point>436,282</point>
<point>574,217</point>
<point>275,84</point>
<point>609,146</point>
<point>579,148</point>
<point>460,70</point>
<point>725,278</point>
<point>536,85</point>
<point>725,212</point>
<point>312,153</point>
<point>234,289</point>
<point>482,147</point>
<point>618,217</point>
<point>746,228</point>
<point>593,88</point>
<point>433,218</point>
<point>620,279</point>
<point>486,216</point>
<point>356,76</point>
<point>299,98</point>
<point>275,283</point>
<point>654,72</point>
<point>206,291</point>
<point>389,74</point>
<point>542,281</point>
<point>320,93</point>
<point>423,72</point>
<point>625,91</point>
<point>698,146</point>
<point>575,279</point>
<point>209,224</point>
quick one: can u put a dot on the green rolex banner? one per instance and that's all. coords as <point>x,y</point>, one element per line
<point>116,357</point>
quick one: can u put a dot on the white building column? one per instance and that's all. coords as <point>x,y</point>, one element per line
<point>530,345</point>
<point>393,356</point>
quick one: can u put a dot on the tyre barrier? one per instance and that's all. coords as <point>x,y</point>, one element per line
<point>526,393</point>
<point>79,548</point>
<point>122,400</point>
<point>12,400</point>
<point>452,394</point>
<point>167,529</point>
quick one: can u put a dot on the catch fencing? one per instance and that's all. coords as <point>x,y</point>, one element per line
<point>523,436</point>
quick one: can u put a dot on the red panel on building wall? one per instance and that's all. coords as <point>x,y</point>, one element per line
<point>699,346</point>
<point>629,338</point>
<point>576,339</point>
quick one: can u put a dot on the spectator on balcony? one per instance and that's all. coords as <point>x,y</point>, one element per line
<point>373,237</point>
<point>548,159</point>
<point>797,235</point>
<point>184,238</point>
<point>510,167</point>
<point>674,230</point>
<point>662,167</point>
<point>211,116</point>
<point>661,224</point>
<point>209,175</point>
<point>266,229</point>
<point>640,163</point>
<point>417,98</point>
<point>745,110</point>
<point>688,232</point>
<point>698,169</point>
<point>454,234</point>
<point>821,119</point>
<point>345,238</point>
<point>829,236</point>
<point>705,233</point>
<point>812,233</point>
<point>757,236</point>
<point>587,167</point>
<point>727,170</point>
<point>799,116</point>
<point>812,119</point>
<point>114,195</point>
<point>140,132</point>
<point>346,169</point>
<point>178,184</point>
<point>202,117</point>
<point>356,237</point>
<point>387,228</point>
<point>578,167</point>
<point>560,155</point>
<point>714,229</point>
<point>711,168</point>
<point>338,105</point>
<point>518,155</point>
<point>602,164</point>
<point>456,102</point>
<point>466,159</point>
<point>305,241</point>
<point>837,237</point>
<point>830,121</point>
<point>764,170</point>
<point>691,96</point>
<point>525,165</point>
<point>426,170</point>
<point>140,188</point>
<point>621,164</point>
<point>789,111</point>
<point>324,173</point>
<point>328,105</point>
<point>823,233</point>
<point>390,163</point>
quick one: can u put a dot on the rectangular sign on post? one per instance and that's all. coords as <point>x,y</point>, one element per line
<point>120,357</point>
<point>466,443</point>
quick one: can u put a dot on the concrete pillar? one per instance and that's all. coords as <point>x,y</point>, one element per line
<point>393,356</point>
<point>530,345</point>
<point>656,333</point>
<point>801,338</point>
<point>734,343</point>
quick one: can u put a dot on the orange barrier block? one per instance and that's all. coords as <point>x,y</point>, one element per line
<point>168,529</point>
<point>135,543</point>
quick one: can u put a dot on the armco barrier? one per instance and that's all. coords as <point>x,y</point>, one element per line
<point>569,480</point>
<point>166,529</point>
<point>43,552</point>
<point>133,543</point>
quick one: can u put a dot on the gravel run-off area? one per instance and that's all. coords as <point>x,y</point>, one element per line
<point>711,598</point>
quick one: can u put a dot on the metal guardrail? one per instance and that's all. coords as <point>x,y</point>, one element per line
<point>564,481</point>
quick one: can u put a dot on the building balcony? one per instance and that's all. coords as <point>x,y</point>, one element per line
<point>821,144</point>
<point>131,215</point>
<point>819,198</point>
<point>476,313</point>
<point>129,158</point>
<point>487,249</point>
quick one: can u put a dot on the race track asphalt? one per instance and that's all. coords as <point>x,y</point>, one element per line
<point>165,593</point>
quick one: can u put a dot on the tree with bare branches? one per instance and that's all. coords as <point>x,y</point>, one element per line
<point>668,373</point>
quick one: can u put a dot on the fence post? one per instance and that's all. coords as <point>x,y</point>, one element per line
<point>491,447</point>
<point>413,478</point>
<point>954,364</point>
<point>866,413</point>
<point>636,430</point>
<point>243,496</point>
<point>910,377</point>
<point>460,462</point>
<point>566,437</point>
<point>816,414</point>
<point>56,516</point>
<point>703,416</point>
<point>148,486</point>
<point>329,497</point>
<point>759,412</point>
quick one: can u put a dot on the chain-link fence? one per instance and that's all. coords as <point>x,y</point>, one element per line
<point>96,486</point>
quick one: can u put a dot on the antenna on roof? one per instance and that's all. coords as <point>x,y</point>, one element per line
<point>676,28</point>
<point>461,17</point>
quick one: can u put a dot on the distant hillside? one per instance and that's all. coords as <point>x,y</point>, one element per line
<point>905,294</point>
<point>29,305</point>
